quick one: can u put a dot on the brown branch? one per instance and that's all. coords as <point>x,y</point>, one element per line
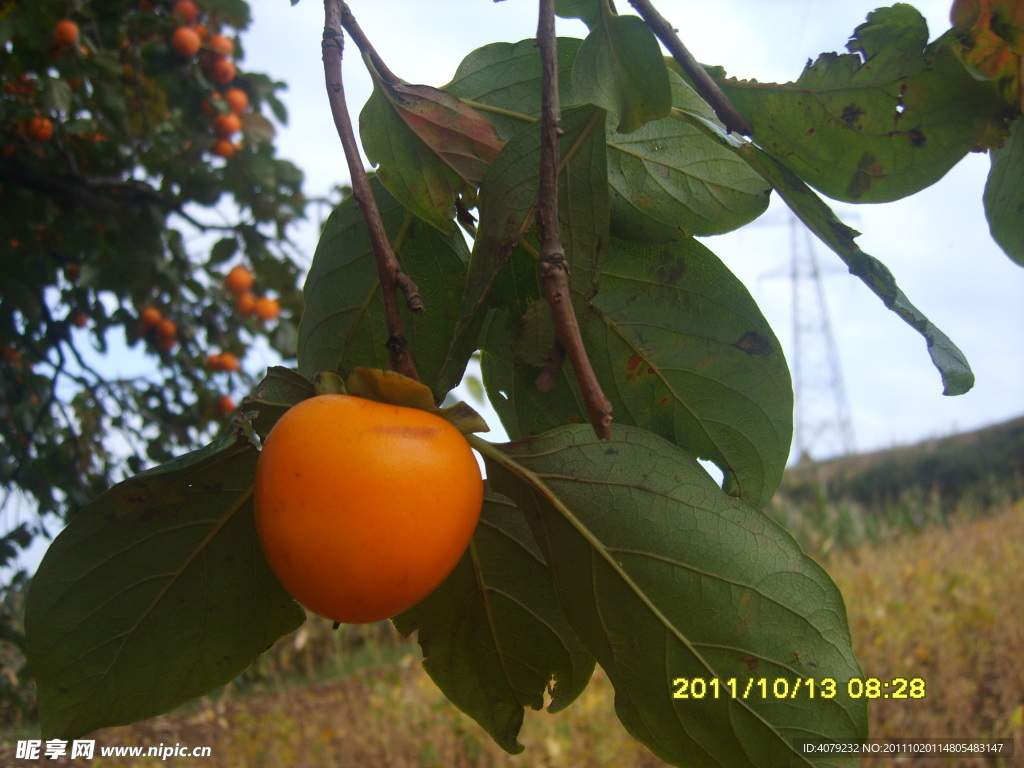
<point>95,192</point>
<point>348,21</point>
<point>702,81</point>
<point>387,264</point>
<point>554,269</point>
<point>556,358</point>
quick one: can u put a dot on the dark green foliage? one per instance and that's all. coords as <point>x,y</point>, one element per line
<point>621,551</point>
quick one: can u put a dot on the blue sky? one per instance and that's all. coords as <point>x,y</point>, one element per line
<point>936,243</point>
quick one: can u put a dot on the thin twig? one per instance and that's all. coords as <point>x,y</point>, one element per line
<point>702,81</point>
<point>554,269</point>
<point>387,263</point>
<point>348,21</point>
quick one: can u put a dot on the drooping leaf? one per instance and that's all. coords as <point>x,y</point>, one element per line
<point>620,68</point>
<point>879,123</point>
<point>155,593</point>
<point>493,636</point>
<point>502,81</point>
<point>664,578</point>
<point>956,373</point>
<point>670,181</point>
<point>343,323</point>
<point>680,349</point>
<point>429,145</point>
<point>1004,194</point>
<point>957,377</point>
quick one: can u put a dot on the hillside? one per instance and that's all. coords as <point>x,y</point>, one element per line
<point>980,468</point>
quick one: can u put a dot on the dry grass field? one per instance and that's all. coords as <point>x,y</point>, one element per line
<point>944,604</point>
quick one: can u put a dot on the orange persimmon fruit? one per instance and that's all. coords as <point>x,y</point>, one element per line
<point>364,508</point>
<point>226,126</point>
<point>267,308</point>
<point>185,42</point>
<point>65,33</point>
<point>239,280</point>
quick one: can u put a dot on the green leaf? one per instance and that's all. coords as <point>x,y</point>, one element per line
<point>56,96</point>
<point>679,347</point>
<point>877,124</point>
<point>223,250</point>
<point>155,593</point>
<point>667,178</point>
<point>1004,194</point>
<point>429,145</point>
<point>620,68</point>
<point>671,181</point>
<point>343,324</point>
<point>508,198</point>
<point>493,636</point>
<point>279,390</point>
<point>663,577</point>
<point>589,11</point>
<point>502,81</point>
<point>957,377</point>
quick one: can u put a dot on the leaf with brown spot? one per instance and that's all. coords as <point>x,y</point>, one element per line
<point>911,107</point>
<point>684,353</point>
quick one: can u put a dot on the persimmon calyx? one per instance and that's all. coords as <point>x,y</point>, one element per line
<point>395,389</point>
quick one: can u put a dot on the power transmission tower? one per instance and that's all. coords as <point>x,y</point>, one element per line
<point>822,426</point>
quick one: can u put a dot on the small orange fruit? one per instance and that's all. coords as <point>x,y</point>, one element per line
<point>80,319</point>
<point>364,508</point>
<point>222,72</point>
<point>225,126</point>
<point>150,317</point>
<point>39,129</point>
<point>267,308</point>
<point>225,404</point>
<point>239,280</point>
<point>186,11</point>
<point>223,148</point>
<point>166,329</point>
<point>185,42</point>
<point>245,304</point>
<point>223,361</point>
<point>221,45</point>
<point>65,33</point>
<point>237,99</point>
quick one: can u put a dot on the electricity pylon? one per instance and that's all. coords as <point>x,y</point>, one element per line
<point>822,426</point>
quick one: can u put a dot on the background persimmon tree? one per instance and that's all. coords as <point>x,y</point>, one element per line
<point>541,208</point>
<point>118,194</point>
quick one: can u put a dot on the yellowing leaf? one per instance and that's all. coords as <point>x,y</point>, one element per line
<point>429,145</point>
<point>991,33</point>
